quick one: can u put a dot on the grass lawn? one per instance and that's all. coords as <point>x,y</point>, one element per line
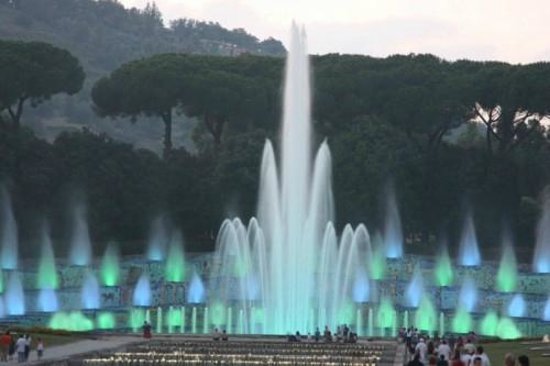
<point>498,350</point>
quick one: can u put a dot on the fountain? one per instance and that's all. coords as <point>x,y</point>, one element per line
<point>14,297</point>
<point>415,289</point>
<point>47,272</point>
<point>158,239</point>
<point>106,321</point>
<point>467,298</point>
<point>393,236</point>
<point>469,251</point>
<point>110,270</point>
<point>378,263</point>
<point>8,232</point>
<point>81,248</point>
<point>90,292</point>
<point>443,268</point>
<point>489,324</point>
<point>295,221</point>
<point>195,292</point>
<point>516,307</point>
<point>507,329</point>
<point>541,258</point>
<point>142,291</point>
<point>175,261</point>
<point>507,275</point>
<point>47,300</point>
<point>462,321</point>
<point>426,316</point>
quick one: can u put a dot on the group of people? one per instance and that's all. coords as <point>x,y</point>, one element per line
<point>21,346</point>
<point>343,334</point>
<point>451,351</point>
<point>220,336</point>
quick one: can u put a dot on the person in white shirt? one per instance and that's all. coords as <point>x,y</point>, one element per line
<point>444,350</point>
<point>20,349</point>
<point>422,350</point>
<point>484,358</point>
<point>465,357</point>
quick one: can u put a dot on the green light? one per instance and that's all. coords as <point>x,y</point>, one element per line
<point>1,281</point>
<point>74,321</point>
<point>462,321</point>
<point>385,314</point>
<point>217,314</point>
<point>173,317</point>
<point>106,321</point>
<point>507,276</point>
<point>110,270</point>
<point>489,324</point>
<point>444,270</point>
<point>258,316</point>
<point>426,317</point>
<point>345,313</point>
<point>175,262</point>
<point>378,264</point>
<point>507,329</point>
<point>47,273</point>
<point>136,318</point>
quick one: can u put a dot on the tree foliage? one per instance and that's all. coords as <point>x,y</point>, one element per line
<point>35,71</point>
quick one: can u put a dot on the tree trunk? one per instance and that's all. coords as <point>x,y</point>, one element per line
<point>215,125</point>
<point>506,129</point>
<point>167,118</point>
<point>16,116</point>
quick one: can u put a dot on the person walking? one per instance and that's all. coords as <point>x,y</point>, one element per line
<point>20,348</point>
<point>5,342</point>
<point>28,342</point>
<point>40,349</point>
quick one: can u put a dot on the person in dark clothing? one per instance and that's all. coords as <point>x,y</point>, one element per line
<point>523,360</point>
<point>416,360</point>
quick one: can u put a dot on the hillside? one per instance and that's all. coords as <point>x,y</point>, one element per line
<point>103,35</point>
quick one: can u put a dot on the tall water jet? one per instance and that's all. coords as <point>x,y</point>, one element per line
<point>385,314</point>
<point>378,263</point>
<point>415,289</point>
<point>288,262</point>
<point>195,291</point>
<point>507,275</point>
<point>81,248</point>
<point>159,237</point>
<point>516,307</point>
<point>110,266</point>
<point>469,251</point>
<point>426,316</point>
<point>8,232</point>
<point>541,258</point>
<point>47,300</point>
<point>393,235</point>
<point>90,292</point>
<point>462,321</point>
<point>489,324</point>
<point>14,297</point>
<point>175,261</point>
<point>142,291</point>
<point>443,268</point>
<point>47,273</point>
<point>467,298</point>
<point>507,329</point>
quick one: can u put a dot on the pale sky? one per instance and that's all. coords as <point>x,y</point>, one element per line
<point>507,30</point>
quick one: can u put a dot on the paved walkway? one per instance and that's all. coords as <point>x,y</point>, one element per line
<point>105,343</point>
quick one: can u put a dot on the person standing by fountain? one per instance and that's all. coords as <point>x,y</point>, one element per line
<point>40,349</point>
<point>28,341</point>
<point>20,348</point>
<point>5,342</point>
<point>147,330</point>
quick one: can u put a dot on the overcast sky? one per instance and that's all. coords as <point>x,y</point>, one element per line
<point>507,30</point>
